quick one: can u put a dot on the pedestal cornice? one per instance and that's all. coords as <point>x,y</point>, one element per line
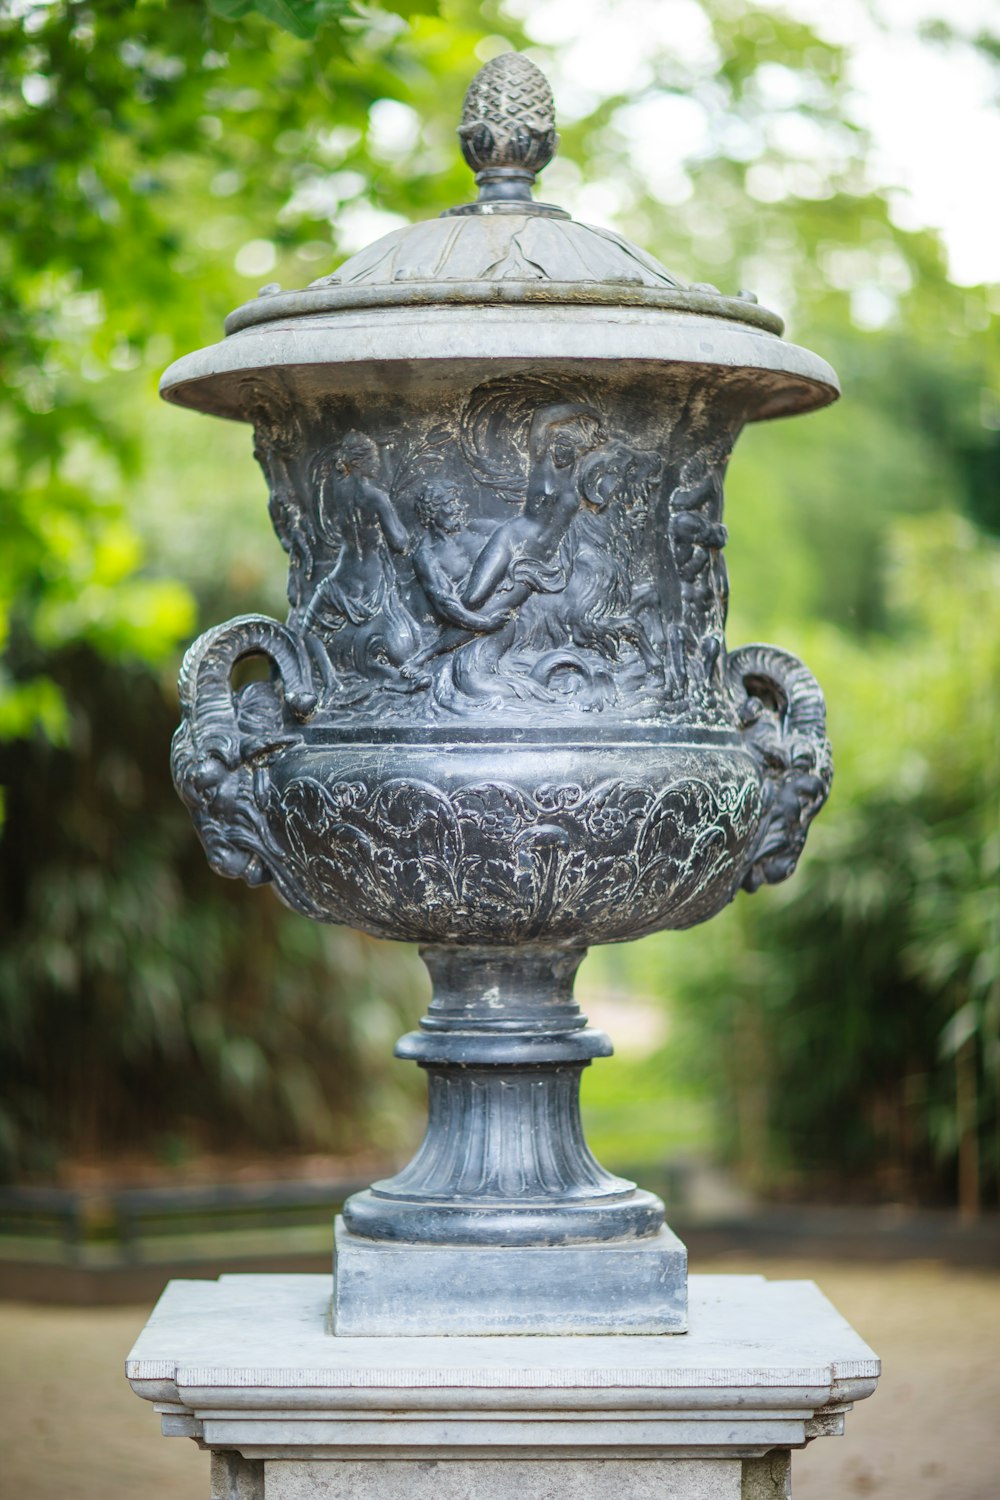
<point>247,1364</point>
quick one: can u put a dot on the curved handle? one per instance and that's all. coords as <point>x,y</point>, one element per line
<point>218,756</point>
<point>205,689</point>
<point>783,716</point>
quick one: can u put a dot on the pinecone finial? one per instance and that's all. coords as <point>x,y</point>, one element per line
<point>508,129</point>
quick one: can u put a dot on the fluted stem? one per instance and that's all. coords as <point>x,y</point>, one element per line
<point>504,1159</point>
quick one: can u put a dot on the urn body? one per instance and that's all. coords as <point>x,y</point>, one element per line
<point>501,708</point>
<point>501,718</point>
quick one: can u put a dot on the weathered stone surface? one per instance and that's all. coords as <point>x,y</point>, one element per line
<point>250,1366</point>
<point>767,1478</point>
<point>251,1360</point>
<point>619,1287</point>
<point>234,1477</point>
<point>434,1479</point>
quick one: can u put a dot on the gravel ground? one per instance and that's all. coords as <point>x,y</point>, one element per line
<point>70,1429</point>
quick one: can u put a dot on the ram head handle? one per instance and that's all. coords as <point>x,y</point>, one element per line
<point>221,750</point>
<point>783,718</point>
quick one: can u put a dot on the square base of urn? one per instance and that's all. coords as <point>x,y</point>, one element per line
<point>384,1289</point>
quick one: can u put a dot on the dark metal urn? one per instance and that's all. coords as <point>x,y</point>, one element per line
<point>502,720</point>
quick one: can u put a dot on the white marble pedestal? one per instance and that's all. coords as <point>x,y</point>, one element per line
<point>247,1367</point>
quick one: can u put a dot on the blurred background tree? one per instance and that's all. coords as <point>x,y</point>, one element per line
<point>840,1034</point>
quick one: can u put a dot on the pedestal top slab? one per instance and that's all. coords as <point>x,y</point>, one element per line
<point>233,1340</point>
<point>248,1364</point>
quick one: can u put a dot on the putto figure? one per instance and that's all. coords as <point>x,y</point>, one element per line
<point>698,537</point>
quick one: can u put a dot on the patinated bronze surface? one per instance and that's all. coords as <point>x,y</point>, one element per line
<point>502,719</point>
<point>543,553</point>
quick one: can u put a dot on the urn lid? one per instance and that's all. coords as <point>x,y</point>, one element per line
<point>506,246</point>
<point>503,277</point>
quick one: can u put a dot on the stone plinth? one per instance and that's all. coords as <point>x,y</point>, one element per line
<point>381,1289</point>
<point>248,1367</point>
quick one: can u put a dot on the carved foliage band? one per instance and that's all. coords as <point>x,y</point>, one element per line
<point>490,861</point>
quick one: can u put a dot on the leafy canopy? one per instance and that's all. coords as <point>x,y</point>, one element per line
<point>161,161</point>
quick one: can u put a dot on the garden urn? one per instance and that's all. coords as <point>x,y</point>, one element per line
<point>502,720</point>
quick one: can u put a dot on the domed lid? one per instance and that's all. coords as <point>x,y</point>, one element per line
<point>505,277</point>
<point>506,246</point>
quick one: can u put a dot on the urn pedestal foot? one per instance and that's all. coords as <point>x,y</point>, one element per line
<point>612,1287</point>
<point>504,1222</point>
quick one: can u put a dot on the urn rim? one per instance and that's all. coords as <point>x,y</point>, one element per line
<point>382,348</point>
<point>501,278</point>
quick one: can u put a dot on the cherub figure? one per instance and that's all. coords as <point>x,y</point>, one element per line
<point>278,450</point>
<point>289,517</point>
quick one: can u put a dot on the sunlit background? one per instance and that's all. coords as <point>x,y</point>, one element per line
<point>833,1040</point>
<point>828,1046</point>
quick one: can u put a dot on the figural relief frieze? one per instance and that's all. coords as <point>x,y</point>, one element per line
<point>503,560</point>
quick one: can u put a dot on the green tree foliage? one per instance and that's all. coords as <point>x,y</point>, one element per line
<point>165,159</point>
<point>144,1002</point>
<point>848,1024</point>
